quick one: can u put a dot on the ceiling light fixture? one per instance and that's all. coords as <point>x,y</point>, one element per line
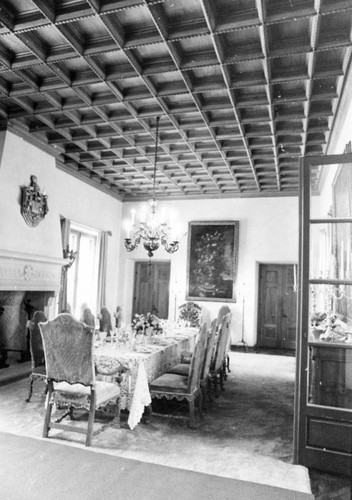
<point>152,227</point>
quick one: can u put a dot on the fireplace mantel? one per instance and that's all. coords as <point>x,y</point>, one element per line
<point>30,272</point>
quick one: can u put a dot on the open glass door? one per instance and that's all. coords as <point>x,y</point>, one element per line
<point>323,416</point>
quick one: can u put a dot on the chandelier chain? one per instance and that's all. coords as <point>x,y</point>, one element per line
<point>151,231</point>
<point>156,154</point>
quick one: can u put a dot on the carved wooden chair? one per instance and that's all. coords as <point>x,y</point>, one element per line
<point>87,316</point>
<point>37,353</point>
<point>218,368</point>
<point>205,380</point>
<point>223,311</point>
<point>183,368</point>
<point>184,387</point>
<point>68,347</point>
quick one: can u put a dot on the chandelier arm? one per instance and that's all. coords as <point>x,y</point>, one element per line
<point>132,246</point>
<point>170,247</point>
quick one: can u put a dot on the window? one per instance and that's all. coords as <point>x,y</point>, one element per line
<point>82,279</point>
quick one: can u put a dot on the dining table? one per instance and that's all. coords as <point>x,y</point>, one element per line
<point>141,363</point>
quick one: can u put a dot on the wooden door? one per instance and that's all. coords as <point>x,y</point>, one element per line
<point>151,288</point>
<point>323,399</point>
<point>277,307</point>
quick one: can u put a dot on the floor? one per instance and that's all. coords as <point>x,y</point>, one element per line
<point>246,432</point>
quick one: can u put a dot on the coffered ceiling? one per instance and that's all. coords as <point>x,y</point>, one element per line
<point>243,89</point>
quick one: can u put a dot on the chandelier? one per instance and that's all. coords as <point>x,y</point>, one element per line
<point>152,229</point>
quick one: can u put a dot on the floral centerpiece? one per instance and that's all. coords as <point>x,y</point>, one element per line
<point>327,327</point>
<point>144,323</point>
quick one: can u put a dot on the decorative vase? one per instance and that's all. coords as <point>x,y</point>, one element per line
<point>316,333</point>
<point>148,333</point>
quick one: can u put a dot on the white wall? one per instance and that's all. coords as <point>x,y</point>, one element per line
<point>268,230</point>
<point>67,196</point>
<point>268,233</point>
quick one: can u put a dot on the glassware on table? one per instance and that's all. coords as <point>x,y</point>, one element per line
<point>102,336</point>
<point>113,335</point>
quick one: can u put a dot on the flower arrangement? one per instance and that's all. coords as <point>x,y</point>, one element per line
<point>142,322</point>
<point>317,319</point>
<point>327,327</point>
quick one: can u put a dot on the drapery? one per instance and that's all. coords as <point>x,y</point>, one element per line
<point>65,236</point>
<point>102,270</point>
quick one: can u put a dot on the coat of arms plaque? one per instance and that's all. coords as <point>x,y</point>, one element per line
<point>34,204</point>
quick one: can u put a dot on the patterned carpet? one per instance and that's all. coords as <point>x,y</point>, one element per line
<point>246,433</point>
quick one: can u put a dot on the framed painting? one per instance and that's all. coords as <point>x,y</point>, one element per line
<point>212,261</point>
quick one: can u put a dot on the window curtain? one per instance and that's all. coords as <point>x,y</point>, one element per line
<point>65,237</point>
<point>102,270</point>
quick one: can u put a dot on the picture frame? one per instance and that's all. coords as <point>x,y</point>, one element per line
<point>212,261</point>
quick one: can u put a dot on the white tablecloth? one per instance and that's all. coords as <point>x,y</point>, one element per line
<point>143,366</point>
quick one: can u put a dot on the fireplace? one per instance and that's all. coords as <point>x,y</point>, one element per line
<point>27,283</point>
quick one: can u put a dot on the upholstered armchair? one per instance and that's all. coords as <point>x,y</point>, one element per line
<point>68,348</point>
<point>37,352</point>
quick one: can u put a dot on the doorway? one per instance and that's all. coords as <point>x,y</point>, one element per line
<point>277,306</point>
<point>151,288</point>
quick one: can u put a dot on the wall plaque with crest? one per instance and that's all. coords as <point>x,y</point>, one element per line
<point>34,204</point>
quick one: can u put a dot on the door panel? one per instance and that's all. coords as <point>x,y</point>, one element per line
<point>277,307</point>
<point>151,288</point>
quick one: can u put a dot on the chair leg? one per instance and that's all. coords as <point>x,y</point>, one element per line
<point>147,414</point>
<point>191,413</point>
<point>224,370</point>
<point>116,420</point>
<point>49,407</point>
<point>228,363</point>
<point>204,392</point>
<point>221,379</point>
<point>91,419</point>
<point>209,389</point>
<point>215,383</point>
<point>30,390</point>
<point>200,404</point>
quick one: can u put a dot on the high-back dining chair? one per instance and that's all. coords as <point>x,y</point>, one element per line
<point>218,367</point>
<point>37,352</point>
<point>184,387</point>
<point>87,316</point>
<point>208,358</point>
<point>183,368</point>
<point>68,348</point>
<point>223,311</point>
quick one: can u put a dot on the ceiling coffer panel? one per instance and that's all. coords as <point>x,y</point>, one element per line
<point>243,89</point>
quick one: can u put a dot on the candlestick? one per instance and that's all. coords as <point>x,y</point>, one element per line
<point>294,277</point>
<point>133,214</point>
<point>348,259</point>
